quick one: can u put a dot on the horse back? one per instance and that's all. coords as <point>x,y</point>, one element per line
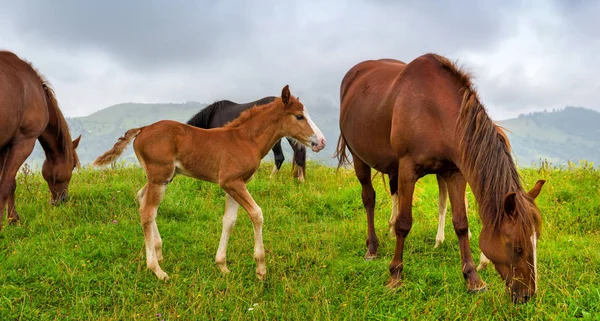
<point>23,107</point>
<point>229,111</point>
<point>427,102</point>
<point>367,98</point>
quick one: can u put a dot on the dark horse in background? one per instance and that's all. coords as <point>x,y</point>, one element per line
<point>29,111</point>
<point>222,112</point>
<point>425,117</point>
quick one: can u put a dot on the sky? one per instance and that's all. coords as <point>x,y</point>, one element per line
<point>525,55</point>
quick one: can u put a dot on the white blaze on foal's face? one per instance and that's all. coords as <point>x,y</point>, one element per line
<point>317,140</point>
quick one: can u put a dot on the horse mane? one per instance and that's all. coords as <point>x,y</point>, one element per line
<point>250,113</point>
<point>65,144</point>
<point>203,117</point>
<point>486,153</point>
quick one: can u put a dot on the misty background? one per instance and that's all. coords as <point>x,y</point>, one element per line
<point>527,57</point>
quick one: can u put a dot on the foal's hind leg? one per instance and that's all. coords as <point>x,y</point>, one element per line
<point>148,209</point>
<point>456,189</point>
<point>363,173</point>
<point>229,218</point>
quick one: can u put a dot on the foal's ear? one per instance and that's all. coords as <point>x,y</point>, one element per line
<point>535,191</point>
<point>285,95</point>
<point>76,142</point>
<point>510,204</point>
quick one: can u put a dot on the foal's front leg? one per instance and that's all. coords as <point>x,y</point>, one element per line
<point>229,218</point>
<point>240,194</point>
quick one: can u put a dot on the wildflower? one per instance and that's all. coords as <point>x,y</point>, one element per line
<point>114,221</point>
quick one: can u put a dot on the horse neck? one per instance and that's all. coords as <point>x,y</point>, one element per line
<point>55,136</point>
<point>263,128</point>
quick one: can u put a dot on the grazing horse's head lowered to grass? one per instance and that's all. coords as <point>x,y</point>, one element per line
<point>29,112</point>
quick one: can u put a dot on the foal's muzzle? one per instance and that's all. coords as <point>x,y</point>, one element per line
<point>317,143</point>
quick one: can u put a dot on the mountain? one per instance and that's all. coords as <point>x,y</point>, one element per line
<point>559,136</point>
<point>100,130</point>
<point>569,134</point>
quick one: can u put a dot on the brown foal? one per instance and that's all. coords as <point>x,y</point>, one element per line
<point>228,156</point>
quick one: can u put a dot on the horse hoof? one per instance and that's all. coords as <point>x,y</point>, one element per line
<point>480,289</point>
<point>394,284</point>
<point>161,275</point>
<point>370,257</point>
<point>260,276</point>
<point>223,268</point>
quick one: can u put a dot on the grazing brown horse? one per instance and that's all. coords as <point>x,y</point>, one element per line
<point>29,111</point>
<point>228,156</point>
<point>425,117</point>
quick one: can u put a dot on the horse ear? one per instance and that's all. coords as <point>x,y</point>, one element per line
<point>510,203</point>
<point>535,191</point>
<point>285,95</point>
<point>76,142</point>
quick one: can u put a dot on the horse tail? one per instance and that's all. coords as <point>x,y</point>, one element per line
<point>114,153</point>
<point>340,152</point>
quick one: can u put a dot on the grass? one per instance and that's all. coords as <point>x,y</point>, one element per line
<point>85,259</point>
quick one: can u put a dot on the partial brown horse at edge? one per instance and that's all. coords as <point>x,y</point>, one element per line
<point>425,117</point>
<point>227,155</point>
<point>29,111</point>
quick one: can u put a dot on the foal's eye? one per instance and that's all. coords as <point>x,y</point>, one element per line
<point>518,250</point>
<point>299,117</point>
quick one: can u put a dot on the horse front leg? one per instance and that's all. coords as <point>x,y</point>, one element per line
<point>240,194</point>
<point>299,160</point>
<point>278,156</point>
<point>456,189</point>
<point>13,157</point>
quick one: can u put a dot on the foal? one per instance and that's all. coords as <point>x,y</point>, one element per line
<point>228,156</point>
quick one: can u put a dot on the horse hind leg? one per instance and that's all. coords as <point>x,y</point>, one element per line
<point>394,214</point>
<point>229,218</point>
<point>442,208</point>
<point>148,212</point>
<point>483,262</point>
<point>363,173</point>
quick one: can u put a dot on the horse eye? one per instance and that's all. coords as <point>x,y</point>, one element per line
<point>299,117</point>
<point>519,250</point>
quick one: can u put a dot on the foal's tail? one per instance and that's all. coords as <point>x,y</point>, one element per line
<point>114,153</point>
<point>340,152</point>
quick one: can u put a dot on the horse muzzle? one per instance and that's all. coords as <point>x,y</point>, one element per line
<point>317,143</point>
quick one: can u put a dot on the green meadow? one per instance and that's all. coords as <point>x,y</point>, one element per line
<point>85,260</point>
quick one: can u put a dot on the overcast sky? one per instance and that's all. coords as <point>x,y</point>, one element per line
<point>525,55</point>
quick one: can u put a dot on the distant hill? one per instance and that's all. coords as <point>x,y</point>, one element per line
<point>569,134</point>
<point>572,133</point>
<point>100,130</point>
